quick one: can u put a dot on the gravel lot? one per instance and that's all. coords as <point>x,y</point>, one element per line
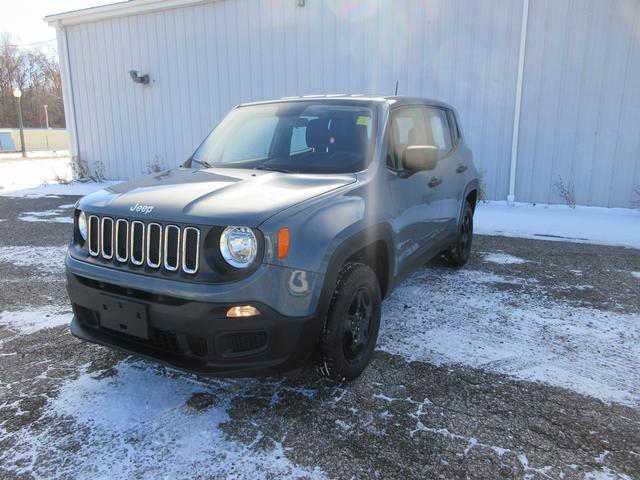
<point>525,364</point>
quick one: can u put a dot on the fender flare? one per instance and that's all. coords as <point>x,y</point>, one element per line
<point>471,186</point>
<point>348,247</point>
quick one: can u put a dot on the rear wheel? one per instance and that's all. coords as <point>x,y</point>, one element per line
<point>353,321</point>
<point>458,252</point>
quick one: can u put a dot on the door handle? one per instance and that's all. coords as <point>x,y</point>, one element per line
<point>434,182</point>
<point>461,168</point>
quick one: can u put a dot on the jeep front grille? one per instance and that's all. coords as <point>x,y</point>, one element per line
<point>93,235</point>
<point>190,246</point>
<point>154,244</point>
<point>135,242</point>
<point>122,240</point>
<point>107,237</point>
<point>171,247</point>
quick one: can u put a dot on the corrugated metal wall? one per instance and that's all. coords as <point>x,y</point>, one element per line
<point>205,59</point>
<point>581,102</point>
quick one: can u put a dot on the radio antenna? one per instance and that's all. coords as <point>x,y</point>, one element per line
<point>396,88</point>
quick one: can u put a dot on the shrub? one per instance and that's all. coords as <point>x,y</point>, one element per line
<point>566,191</point>
<point>153,167</point>
<point>80,168</point>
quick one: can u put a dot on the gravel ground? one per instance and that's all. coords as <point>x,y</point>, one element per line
<point>522,365</point>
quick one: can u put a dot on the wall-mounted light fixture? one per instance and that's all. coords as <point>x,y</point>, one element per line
<point>143,79</point>
<point>300,3</point>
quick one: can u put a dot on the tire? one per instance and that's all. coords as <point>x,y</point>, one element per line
<point>458,252</point>
<point>353,321</point>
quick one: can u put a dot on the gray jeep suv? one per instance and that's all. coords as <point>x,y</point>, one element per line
<point>277,239</point>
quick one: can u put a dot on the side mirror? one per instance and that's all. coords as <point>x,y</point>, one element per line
<point>417,158</point>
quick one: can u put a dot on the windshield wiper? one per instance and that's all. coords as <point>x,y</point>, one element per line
<point>274,169</point>
<point>202,162</point>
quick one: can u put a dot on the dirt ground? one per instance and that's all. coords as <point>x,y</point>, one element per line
<point>524,364</point>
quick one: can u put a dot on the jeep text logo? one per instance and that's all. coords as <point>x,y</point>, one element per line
<point>145,209</point>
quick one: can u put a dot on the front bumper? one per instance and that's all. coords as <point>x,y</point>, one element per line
<point>193,334</point>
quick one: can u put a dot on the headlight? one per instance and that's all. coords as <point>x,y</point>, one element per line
<point>82,225</point>
<point>238,246</point>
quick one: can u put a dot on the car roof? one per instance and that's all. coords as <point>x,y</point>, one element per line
<point>391,100</point>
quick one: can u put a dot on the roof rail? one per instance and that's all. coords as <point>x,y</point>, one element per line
<point>326,95</point>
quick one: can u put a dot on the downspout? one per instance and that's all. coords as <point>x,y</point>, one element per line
<point>516,113</point>
<point>67,93</point>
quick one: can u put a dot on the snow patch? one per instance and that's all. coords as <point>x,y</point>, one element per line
<point>55,215</point>
<point>606,474</point>
<point>343,425</point>
<point>139,424</point>
<point>635,274</point>
<point>442,317</point>
<point>604,226</point>
<point>21,174</point>
<point>503,259</point>
<point>53,190</point>
<point>49,259</point>
<point>39,175</point>
<point>45,154</point>
<point>40,218</point>
<point>29,321</point>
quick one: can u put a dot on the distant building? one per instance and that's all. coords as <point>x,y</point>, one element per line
<point>566,71</point>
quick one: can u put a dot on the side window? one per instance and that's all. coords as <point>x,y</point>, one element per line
<point>440,129</point>
<point>407,128</point>
<point>299,140</point>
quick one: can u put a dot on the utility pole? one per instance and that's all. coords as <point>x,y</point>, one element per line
<point>18,94</point>
<point>46,116</point>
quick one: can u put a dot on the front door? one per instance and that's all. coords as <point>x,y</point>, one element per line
<point>415,196</point>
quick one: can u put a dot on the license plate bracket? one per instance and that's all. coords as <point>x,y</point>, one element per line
<point>124,316</point>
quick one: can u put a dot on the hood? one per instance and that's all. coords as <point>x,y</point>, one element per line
<point>221,196</point>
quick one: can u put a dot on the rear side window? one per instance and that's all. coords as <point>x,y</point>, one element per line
<point>440,129</point>
<point>455,130</point>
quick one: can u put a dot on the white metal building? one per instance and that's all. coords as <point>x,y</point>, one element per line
<point>565,73</point>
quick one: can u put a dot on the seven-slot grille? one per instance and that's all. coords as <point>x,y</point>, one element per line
<point>155,245</point>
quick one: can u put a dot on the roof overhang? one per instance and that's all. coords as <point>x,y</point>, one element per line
<point>115,10</point>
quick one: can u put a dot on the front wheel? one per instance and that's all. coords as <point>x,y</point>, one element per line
<point>352,324</point>
<point>458,252</point>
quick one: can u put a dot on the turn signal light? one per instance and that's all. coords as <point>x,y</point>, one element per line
<point>242,311</point>
<point>283,242</point>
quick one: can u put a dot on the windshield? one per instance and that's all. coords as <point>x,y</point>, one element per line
<point>305,137</point>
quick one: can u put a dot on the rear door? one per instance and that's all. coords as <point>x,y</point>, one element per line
<point>452,164</point>
<point>415,203</point>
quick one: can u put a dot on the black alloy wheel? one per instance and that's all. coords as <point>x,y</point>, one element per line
<point>357,323</point>
<point>459,251</point>
<point>351,327</point>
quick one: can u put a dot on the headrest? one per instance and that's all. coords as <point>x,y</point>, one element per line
<point>347,136</point>
<point>318,133</point>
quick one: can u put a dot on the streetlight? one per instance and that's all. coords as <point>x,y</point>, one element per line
<point>46,116</point>
<point>18,94</point>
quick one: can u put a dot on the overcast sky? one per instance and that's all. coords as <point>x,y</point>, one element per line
<point>23,18</point>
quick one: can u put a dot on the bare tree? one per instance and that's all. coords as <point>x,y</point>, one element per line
<point>35,71</point>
